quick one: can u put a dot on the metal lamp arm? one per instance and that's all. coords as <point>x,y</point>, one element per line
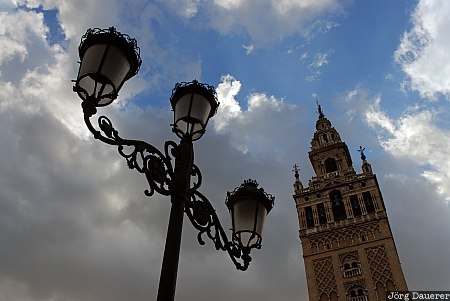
<point>204,218</point>
<point>142,156</point>
<point>158,169</point>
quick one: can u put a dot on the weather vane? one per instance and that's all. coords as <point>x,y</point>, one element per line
<point>319,108</point>
<point>361,150</point>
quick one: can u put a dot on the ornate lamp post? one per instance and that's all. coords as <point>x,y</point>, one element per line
<point>108,59</point>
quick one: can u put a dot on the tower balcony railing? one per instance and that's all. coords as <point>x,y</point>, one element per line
<point>342,223</point>
<point>333,174</point>
<point>359,298</point>
<point>352,272</point>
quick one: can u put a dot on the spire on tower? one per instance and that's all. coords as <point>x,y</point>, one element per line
<point>319,108</point>
<point>366,167</point>
<point>298,186</point>
<point>296,170</point>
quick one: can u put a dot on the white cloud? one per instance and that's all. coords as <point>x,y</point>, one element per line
<point>187,9</point>
<point>416,137</point>
<point>228,4</point>
<point>320,60</point>
<point>229,108</point>
<point>389,77</point>
<point>15,33</point>
<point>424,51</point>
<point>264,21</point>
<point>76,16</point>
<point>375,116</point>
<point>257,127</point>
<point>248,48</point>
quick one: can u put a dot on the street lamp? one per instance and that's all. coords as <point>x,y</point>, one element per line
<point>108,59</point>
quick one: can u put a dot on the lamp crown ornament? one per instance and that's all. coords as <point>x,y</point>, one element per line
<point>249,188</point>
<point>108,59</point>
<point>108,35</point>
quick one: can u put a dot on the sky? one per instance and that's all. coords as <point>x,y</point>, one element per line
<point>75,224</point>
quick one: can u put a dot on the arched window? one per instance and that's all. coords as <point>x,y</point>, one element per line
<point>357,293</point>
<point>309,217</point>
<point>333,296</point>
<point>330,165</point>
<point>321,213</point>
<point>337,205</point>
<point>368,202</point>
<point>355,205</point>
<point>390,286</point>
<point>381,292</point>
<point>350,266</point>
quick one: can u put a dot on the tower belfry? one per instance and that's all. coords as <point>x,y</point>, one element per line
<point>348,248</point>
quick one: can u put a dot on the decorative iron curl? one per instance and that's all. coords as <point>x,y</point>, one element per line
<point>195,172</point>
<point>143,157</point>
<point>204,218</point>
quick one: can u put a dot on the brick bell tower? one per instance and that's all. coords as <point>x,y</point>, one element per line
<point>347,243</point>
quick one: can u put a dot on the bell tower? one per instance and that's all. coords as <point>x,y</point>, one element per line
<point>348,248</point>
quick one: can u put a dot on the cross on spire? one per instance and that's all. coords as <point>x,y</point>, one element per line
<point>296,171</point>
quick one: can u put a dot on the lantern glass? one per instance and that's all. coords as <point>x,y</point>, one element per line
<point>248,218</point>
<point>191,114</point>
<point>108,59</point>
<point>249,206</point>
<point>193,104</point>
<point>102,73</point>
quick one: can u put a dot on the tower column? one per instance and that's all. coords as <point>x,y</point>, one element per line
<point>328,212</point>
<point>315,215</point>
<point>348,206</point>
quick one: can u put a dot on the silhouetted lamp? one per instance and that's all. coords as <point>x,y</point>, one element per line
<point>108,59</point>
<point>193,104</point>
<point>248,206</point>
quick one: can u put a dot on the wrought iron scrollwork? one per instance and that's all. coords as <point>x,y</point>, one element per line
<point>158,169</point>
<point>204,218</point>
<point>140,155</point>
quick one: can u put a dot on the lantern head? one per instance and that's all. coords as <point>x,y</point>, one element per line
<point>108,59</point>
<point>248,206</point>
<point>193,104</point>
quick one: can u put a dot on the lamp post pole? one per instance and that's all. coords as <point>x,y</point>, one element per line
<point>182,178</point>
<point>108,59</point>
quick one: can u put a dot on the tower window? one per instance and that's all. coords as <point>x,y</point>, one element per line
<point>350,266</point>
<point>330,165</point>
<point>337,205</point>
<point>321,213</point>
<point>355,205</point>
<point>309,217</point>
<point>368,202</point>
<point>357,293</point>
